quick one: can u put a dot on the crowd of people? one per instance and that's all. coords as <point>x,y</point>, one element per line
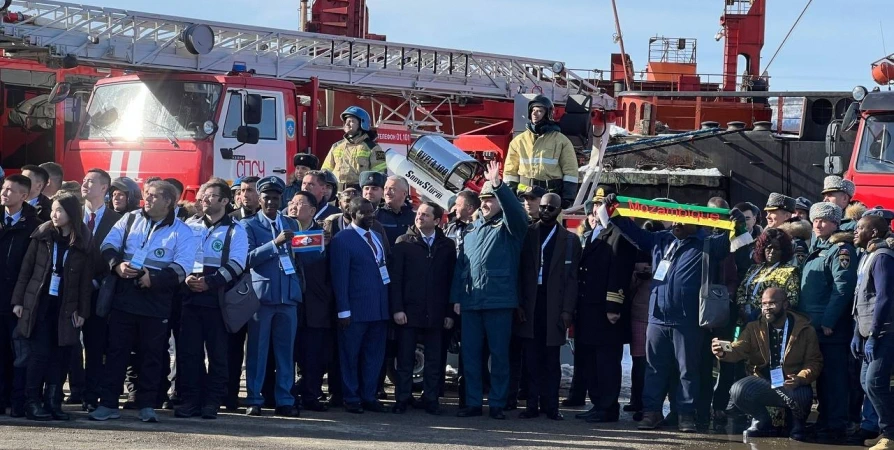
<point>809,300</point>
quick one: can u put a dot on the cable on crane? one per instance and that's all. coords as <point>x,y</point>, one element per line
<point>788,34</point>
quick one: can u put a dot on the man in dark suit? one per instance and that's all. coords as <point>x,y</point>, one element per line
<point>603,316</point>
<point>547,303</point>
<point>39,178</point>
<point>99,219</point>
<point>422,266</point>
<point>18,219</point>
<point>360,279</point>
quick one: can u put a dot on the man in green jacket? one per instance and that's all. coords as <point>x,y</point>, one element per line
<point>485,291</point>
<point>828,280</point>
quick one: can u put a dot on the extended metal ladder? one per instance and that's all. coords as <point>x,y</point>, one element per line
<point>110,37</point>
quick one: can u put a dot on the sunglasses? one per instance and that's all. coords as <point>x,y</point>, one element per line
<point>549,208</point>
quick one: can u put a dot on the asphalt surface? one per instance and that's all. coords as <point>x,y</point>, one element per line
<point>338,429</point>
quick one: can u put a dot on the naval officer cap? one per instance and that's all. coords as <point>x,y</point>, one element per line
<point>370,178</point>
<point>271,183</point>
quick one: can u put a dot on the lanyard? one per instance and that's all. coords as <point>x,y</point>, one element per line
<point>374,247</point>
<point>671,251</point>
<point>278,225</point>
<point>320,212</point>
<point>757,287</point>
<point>784,341</point>
<point>56,255</point>
<point>545,243</point>
<point>151,229</point>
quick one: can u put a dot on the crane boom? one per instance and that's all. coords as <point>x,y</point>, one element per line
<point>110,37</point>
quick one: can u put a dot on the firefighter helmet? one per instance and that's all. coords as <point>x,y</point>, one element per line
<point>360,114</point>
<point>542,102</point>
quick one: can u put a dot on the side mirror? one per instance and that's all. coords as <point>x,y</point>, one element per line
<point>832,165</point>
<point>248,135</point>
<point>832,137</point>
<point>59,93</point>
<point>251,109</point>
<point>850,117</point>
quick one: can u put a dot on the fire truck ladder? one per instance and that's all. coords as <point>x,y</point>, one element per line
<point>109,37</point>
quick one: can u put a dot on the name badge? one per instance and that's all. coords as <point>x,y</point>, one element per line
<point>139,258</point>
<point>383,271</point>
<point>54,284</point>
<point>286,263</point>
<point>661,271</point>
<point>198,267</point>
<point>777,379</point>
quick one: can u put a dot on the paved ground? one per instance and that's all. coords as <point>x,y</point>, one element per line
<point>337,429</point>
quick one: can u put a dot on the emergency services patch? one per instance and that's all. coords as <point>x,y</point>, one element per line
<point>380,155</point>
<point>217,245</point>
<point>159,253</point>
<point>844,259</point>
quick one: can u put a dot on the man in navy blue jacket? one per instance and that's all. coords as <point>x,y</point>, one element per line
<point>673,336</point>
<point>359,279</point>
<point>277,278</point>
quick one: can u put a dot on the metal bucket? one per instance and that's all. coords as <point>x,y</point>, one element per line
<point>443,161</point>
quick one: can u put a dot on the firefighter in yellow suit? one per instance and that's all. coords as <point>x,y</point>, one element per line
<point>542,155</point>
<point>358,152</point>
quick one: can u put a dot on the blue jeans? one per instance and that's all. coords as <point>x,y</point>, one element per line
<point>670,350</point>
<point>494,326</point>
<point>878,384</point>
<point>869,416</point>
<point>280,323</point>
<point>361,351</point>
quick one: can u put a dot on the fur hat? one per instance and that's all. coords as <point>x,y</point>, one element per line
<point>834,183</point>
<point>779,201</point>
<point>825,210</point>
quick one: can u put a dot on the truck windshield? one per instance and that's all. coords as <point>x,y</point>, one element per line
<point>150,110</point>
<point>876,146</point>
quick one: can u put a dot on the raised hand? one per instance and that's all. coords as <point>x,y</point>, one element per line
<point>492,173</point>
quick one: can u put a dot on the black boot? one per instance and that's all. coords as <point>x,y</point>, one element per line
<point>33,411</point>
<point>54,403</point>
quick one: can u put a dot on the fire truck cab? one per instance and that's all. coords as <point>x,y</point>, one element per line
<point>871,165</point>
<point>190,126</point>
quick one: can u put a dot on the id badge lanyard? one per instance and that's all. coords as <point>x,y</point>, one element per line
<point>140,256</point>
<point>665,264</point>
<point>55,277</point>
<point>285,257</point>
<point>542,248</point>
<point>777,379</point>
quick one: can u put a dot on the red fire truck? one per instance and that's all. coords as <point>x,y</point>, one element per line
<point>871,162</point>
<point>200,91</point>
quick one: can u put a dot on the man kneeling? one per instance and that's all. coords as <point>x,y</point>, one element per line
<point>782,352</point>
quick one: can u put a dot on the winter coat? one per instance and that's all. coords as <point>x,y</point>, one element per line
<point>350,157</point>
<point>801,232</point>
<point>318,308</point>
<point>852,214</point>
<point>486,276</point>
<point>675,300</point>
<point>802,355</point>
<point>828,281</point>
<point>77,282</point>
<point>395,224</point>
<point>549,156</point>
<point>561,284</point>
<point>14,242</point>
<point>421,278</point>
<point>606,265</point>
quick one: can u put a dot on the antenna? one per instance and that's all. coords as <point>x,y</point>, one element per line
<point>882,29</point>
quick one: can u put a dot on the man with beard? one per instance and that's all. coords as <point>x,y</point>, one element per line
<point>781,378</point>
<point>548,302</point>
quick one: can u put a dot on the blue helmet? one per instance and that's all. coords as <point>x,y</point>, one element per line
<point>359,113</point>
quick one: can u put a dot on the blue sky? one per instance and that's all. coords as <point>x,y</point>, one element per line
<point>831,49</point>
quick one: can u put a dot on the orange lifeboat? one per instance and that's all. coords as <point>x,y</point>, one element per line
<point>883,73</point>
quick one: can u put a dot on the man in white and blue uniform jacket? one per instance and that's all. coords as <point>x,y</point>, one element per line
<point>277,279</point>
<point>219,262</point>
<point>151,265</point>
